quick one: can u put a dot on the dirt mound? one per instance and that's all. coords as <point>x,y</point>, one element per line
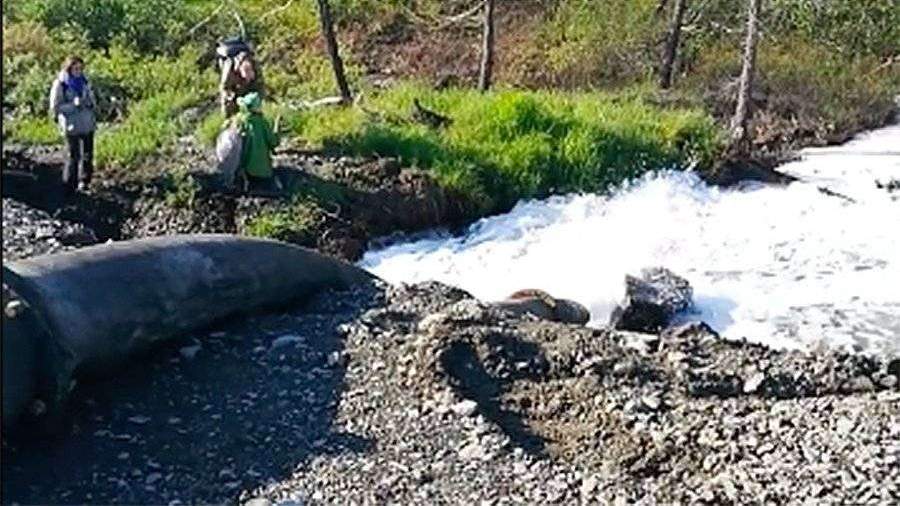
<point>475,405</point>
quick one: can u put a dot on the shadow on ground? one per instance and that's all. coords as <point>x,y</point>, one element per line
<point>202,419</point>
<point>469,375</point>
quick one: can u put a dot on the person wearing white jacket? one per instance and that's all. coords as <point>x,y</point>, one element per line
<point>72,102</point>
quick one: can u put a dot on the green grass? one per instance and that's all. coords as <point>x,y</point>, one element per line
<point>209,127</point>
<point>507,145</point>
<point>296,223</point>
<point>503,145</point>
<point>34,130</point>
<point>151,124</point>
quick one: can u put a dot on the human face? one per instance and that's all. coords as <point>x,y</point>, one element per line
<point>76,69</point>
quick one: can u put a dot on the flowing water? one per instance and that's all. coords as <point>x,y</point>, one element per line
<point>787,266</point>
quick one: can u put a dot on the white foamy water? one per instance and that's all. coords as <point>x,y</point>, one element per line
<point>788,266</point>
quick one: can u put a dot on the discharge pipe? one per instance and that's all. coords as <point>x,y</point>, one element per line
<point>87,312</point>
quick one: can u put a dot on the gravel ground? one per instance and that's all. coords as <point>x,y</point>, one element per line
<point>201,419</point>
<point>465,406</point>
<point>423,395</point>
<point>29,232</point>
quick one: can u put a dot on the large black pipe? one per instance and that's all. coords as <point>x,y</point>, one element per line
<point>91,310</point>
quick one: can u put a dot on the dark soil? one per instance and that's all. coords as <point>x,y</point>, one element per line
<point>354,201</point>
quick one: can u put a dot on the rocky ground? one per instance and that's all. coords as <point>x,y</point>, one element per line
<point>424,395</point>
<point>28,232</point>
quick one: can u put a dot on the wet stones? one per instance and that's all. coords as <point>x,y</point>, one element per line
<point>891,185</point>
<point>28,232</point>
<point>543,305</point>
<point>651,301</point>
<point>894,367</point>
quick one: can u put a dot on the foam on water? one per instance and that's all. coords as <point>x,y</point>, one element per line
<point>785,266</point>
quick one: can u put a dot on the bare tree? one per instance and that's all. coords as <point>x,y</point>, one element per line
<point>672,41</point>
<point>742,113</point>
<point>331,43</point>
<point>487,49</point>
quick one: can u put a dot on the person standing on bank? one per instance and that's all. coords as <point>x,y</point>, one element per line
<point>72,102</point>
<point>240,76</point>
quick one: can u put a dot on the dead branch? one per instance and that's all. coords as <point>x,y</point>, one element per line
<point>442,23</point>
<point>276,10</point>
<point>427,117</point>
<point>207,19</point>
<point>240,21</point>
<point>832,193</point>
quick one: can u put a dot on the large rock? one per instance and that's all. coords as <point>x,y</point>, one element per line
<point>543,305</point>
<point>651,301</point>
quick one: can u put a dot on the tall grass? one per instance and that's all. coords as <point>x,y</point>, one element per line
<point>152,124</point>
<point>509,144</point>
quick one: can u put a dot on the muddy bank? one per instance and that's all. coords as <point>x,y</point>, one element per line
<point>422,394</point>
<point>335,205</point>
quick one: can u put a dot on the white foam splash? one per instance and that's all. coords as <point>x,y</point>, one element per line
<point>785,266</point>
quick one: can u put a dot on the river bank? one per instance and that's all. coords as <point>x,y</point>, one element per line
<point>786,265</point>
<point>422,394</point>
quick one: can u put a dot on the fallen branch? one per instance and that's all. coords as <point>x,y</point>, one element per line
<point>428,117</point>
<point>240,21</point>
<point>207,19</point>
<point>832,193</point>
<point>887,63</point>
<point>313,104</point>
<point>276,10</point>
<point>463,16</point>
<point>441,23</point>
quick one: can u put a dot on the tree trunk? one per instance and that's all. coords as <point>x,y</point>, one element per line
<point>672,41</point>
<point>331,43</point>
<point>661,6</point>
<point>742,113</point>
<point>487,50</point>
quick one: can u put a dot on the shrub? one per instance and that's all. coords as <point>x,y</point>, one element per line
<point>180,188</point>
<point>98,20</point>
<point>27,38</point>
<point>585,43</point>
<point>146,25</point>
<point>858,28</point>
<point>808,92</point>
<point>30,90</point>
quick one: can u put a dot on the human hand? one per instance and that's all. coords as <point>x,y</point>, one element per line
<point>77,101</point>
